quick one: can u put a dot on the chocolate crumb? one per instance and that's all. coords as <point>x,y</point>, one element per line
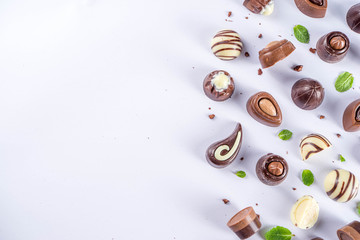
<point>256,204</point>
<point>229,14</point>
<point>226,201</point>
<point>260,72</point>
<point>242,158</point>
<point>322,117</point>
<point>209,108</point>
<point>287,152</point>
<point>313,50</point>
<point>338,135</point>
<point>260,35</point>
<point>211,116</point>
<point>247,54</point>
<point>259,23</point>
<point>246,17</point>
<point>294,189</point>
<point>279,35</point>
<point>298,68</point>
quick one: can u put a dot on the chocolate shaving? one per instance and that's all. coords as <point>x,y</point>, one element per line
<point>322,117</point>
<point>260,72</point>
<point>211,116</point>
<point>260,35</point>
<point>247,54</point>
<point>298,68</point>
<point>229,14</point>
<point>225,201</point>
<point>312,50</point>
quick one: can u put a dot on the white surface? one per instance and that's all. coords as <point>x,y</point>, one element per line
<point>104,123</point>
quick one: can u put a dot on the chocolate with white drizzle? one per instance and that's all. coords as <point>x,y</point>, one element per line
<point>341,185</point>
<point>312,144</point>
<point>218,85</point>
<point>263,7</point>
<point>223,153</point>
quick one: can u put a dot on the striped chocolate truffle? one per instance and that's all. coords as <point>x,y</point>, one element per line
<point>341,185</point>
<point>312,144</point>
<point>226,45</point>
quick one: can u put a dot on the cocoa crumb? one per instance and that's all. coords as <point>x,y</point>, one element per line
<point>229,14</point>
<point>259,23</point>
<point>338,135</point>
<point>211,116</point>
<point>313,50</point>
<point>246,17</point>
<point>242,158</point>
<point>294,189</point>
<point>209,108</point>
<point>225,201</point>
<point>260,35</point>
<point>298,68</point>
<point>287,152</point>
<point>260,72</point>
<point>322,117</point>
<point>256,204</point>
<point>247,54</point>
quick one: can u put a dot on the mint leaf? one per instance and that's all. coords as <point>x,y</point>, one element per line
<point>344,82</point>
<point>285,134</point>
<point>278,233</point>
<point>301,34</point>
<point>358,208</point>
<point>307,177</point>
<point>342,159</point>
<point>241,174</point>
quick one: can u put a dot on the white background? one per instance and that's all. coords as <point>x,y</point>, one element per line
<point>104,122</point>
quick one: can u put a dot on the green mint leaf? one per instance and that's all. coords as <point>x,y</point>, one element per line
<point>301,34</point>
<point>307,177</point>
<point>241,174</point>
<point>342,159</point>
<point>278,233</point>
<point>285,134</point>
<point>344,82</point>
<point>358,208</point>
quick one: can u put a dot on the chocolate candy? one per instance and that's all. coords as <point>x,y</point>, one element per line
<point>263,7</point>
<point>312,144</point>
<point>226,45</point>
<point>353,18</point>
<point>351,117</point>
<point>333,47</point>
<point>307,94</point>
<point>245,223</point>
<point>264,109</point>
<point>305,212</point>
<point>350,231</point>
<point>275,52</point>
<point>223,153</point>
<point>317,238</point>
<point>341,185</point>
<point>272,169</point>
<point>312,8</point>
<point>218,85</point>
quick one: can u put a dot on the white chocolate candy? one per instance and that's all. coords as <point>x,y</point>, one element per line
<point>220,81</point>
<point>268,9</point>
<point>305,212</point>
<point>341,185</point>
<point>312,144</point>
<point>226,45</point>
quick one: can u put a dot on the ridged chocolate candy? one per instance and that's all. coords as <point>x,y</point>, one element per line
<point>226,45</point>
<point>218,85</point>
<point>351,117</point>
<point>307,94</point>
<point>353,18</point>
<point>272,169</point>
<point>245,223</point>
<point>350,231</point>
<point>312,8</point>
<point>333,47</point>
<point>263,7</point>
<point>341,185</point>
<point>275,52</point>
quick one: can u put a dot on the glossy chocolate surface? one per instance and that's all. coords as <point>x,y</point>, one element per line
<point>307,94</point>
<point>353,18</point>
<point>224,152</point>
<point>218,85</point>
<point>226,45</point>
<point>350,231</point>
<point>312,8</point>
<point>245,223</point>
<point>275,52</point>
<point>351,117</point>
<point>256,6</point>
<point>264,109</point>
<point>333,47</point>
<point>271,169</point>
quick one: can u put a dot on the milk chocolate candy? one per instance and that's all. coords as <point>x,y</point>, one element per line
<point>307,94</point>
<point>350,231</point>
<point>263,7</point>
<point>351,117</point>
<point>312,8</point>
<point>264,109</point>
<point>245,223</point>
<point>341,185</point>
<point>275,52</point>
<point>353,18</point>
<point>305,212</point>
<point>226,45</point>
<point>223,153</point>
<point>333,47</point>
<point>313,144</point>
<point>317,238</point>
<point>218,85</point>
<point>272,169</point>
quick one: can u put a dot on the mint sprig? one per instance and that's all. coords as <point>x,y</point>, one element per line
<point>307,177</point>
<point>301,34</point>
<point>344,82</point>
<point>278,233</point>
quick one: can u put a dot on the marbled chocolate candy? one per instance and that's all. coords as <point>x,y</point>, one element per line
<point>312,144</point>
<point>218,85</point>
<point>226,45</point>
<point>341,185</point>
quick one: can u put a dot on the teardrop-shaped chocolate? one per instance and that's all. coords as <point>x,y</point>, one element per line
<point>351,118</point>
<point>264,109</point>
<point>223,153</point>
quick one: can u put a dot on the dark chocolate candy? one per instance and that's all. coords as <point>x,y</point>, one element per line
<point>351,117</point>
<point>219,85</point>
<point>333,47</point>
<point>264,109</point>
<point>272,169</point>
<point>223,153</point>
<point>264,7</point>
<point>353,18</point>
<point>312,8</point>
<point>350,231</point>
<point>275,52</point>
<point>307,94</point>
<point>317,238</point>
<point>245,223</point>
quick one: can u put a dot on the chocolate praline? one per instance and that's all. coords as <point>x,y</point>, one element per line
<point>351,117</point>
<point>218,85</point>
<point>333,47</point>
<point>263,7</point>
<point>275,52</point>
<point>307,94</point>
<point>272,169</point>
<point>245,223</point>
<point>350,231</point>
<point>312,8</point>
<point>353,18</point>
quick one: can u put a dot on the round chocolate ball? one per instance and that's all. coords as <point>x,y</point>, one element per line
<point>218,85</point>
<point>353,18</point>
<point>307,94</point>
<point>271,169</point>
<point>226,45</point>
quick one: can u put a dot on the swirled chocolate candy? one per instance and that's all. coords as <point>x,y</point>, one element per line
<point>226,45</point>
<point>271,169</point>
<point>305,212</point>
<point>245,223</point>
<point>351,117</point>
<point>307,94</point>
<point>312,8</point>
<point>312,144</point>
<point>223,153</point>
<point>263,7</point>
<point>264,109</point>
<point>333,47</point>
<point>341,185</point>
<point>350,231</point>
<point>353,18</point>
<point>218,85</point>
<point>275,52</point>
